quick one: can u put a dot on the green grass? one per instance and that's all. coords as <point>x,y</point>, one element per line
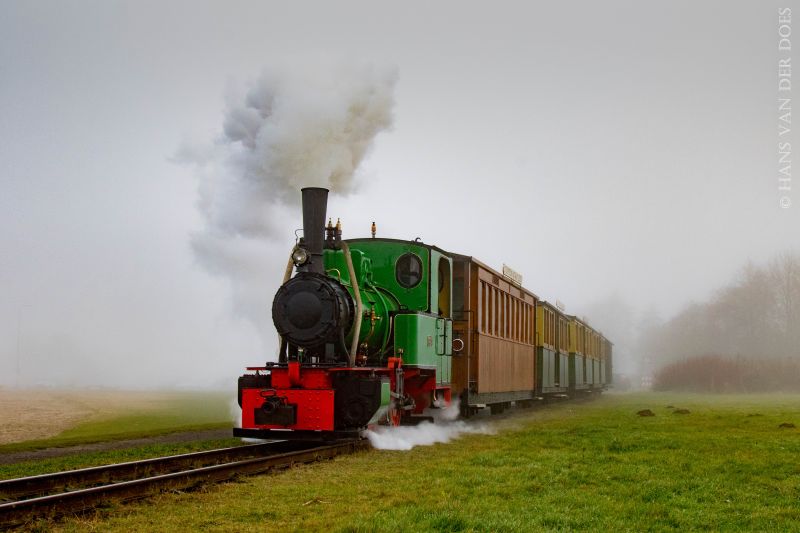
<point>173,412</point>
<point>84,460</point>
<point>590,466</point>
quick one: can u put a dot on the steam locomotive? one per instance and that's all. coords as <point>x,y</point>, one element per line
<point>382,331</point>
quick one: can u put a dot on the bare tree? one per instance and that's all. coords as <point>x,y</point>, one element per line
<point>785,275</point>
<point>756,316</point>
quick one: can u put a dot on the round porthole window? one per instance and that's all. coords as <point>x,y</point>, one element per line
<point>409,270</point>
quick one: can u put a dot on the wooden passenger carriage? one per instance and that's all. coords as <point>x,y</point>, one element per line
<point>517,347</point>
<point>495,319</point>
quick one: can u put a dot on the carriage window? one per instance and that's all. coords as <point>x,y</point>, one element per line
<point>409,270</point>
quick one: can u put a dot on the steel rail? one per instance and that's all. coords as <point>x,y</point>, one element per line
<point>84,477</point>
<point>54,505</point>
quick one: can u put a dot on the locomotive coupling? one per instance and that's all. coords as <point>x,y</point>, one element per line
<point>275,410</point>
<point>272,404</point>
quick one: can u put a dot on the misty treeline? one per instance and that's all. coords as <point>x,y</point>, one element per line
<point>716,373</point>
<point>746,338</point>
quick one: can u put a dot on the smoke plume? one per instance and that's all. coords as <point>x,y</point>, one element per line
<point>286,131</point>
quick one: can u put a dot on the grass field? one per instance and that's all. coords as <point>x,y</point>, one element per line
<point>131,415</point>
<point>590,466</point>
<point>98,458</point>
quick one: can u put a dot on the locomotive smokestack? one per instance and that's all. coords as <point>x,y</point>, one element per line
<point>315,204</point>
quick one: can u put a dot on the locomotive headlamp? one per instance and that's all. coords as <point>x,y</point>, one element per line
<point>299,257</point>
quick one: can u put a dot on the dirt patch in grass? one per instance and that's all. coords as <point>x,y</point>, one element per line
<point>75,417</point>
<point>36,414</point>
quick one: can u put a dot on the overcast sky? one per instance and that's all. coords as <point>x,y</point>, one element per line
<point>605,150</point>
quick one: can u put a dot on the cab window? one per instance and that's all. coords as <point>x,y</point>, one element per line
<point>408,270</point>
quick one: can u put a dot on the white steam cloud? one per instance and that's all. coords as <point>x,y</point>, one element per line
<point>423,434</point>
<point>445,429</point>
<point>287,131</point>
<point>236,413</point>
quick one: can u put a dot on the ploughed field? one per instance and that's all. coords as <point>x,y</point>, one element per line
<point>725,464</point>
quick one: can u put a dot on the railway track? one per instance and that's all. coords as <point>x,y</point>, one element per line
<point>51,495</point>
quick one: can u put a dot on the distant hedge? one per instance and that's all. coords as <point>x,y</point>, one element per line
<point>716,373</point>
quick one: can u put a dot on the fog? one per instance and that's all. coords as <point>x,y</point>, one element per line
<point>622,157</point>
